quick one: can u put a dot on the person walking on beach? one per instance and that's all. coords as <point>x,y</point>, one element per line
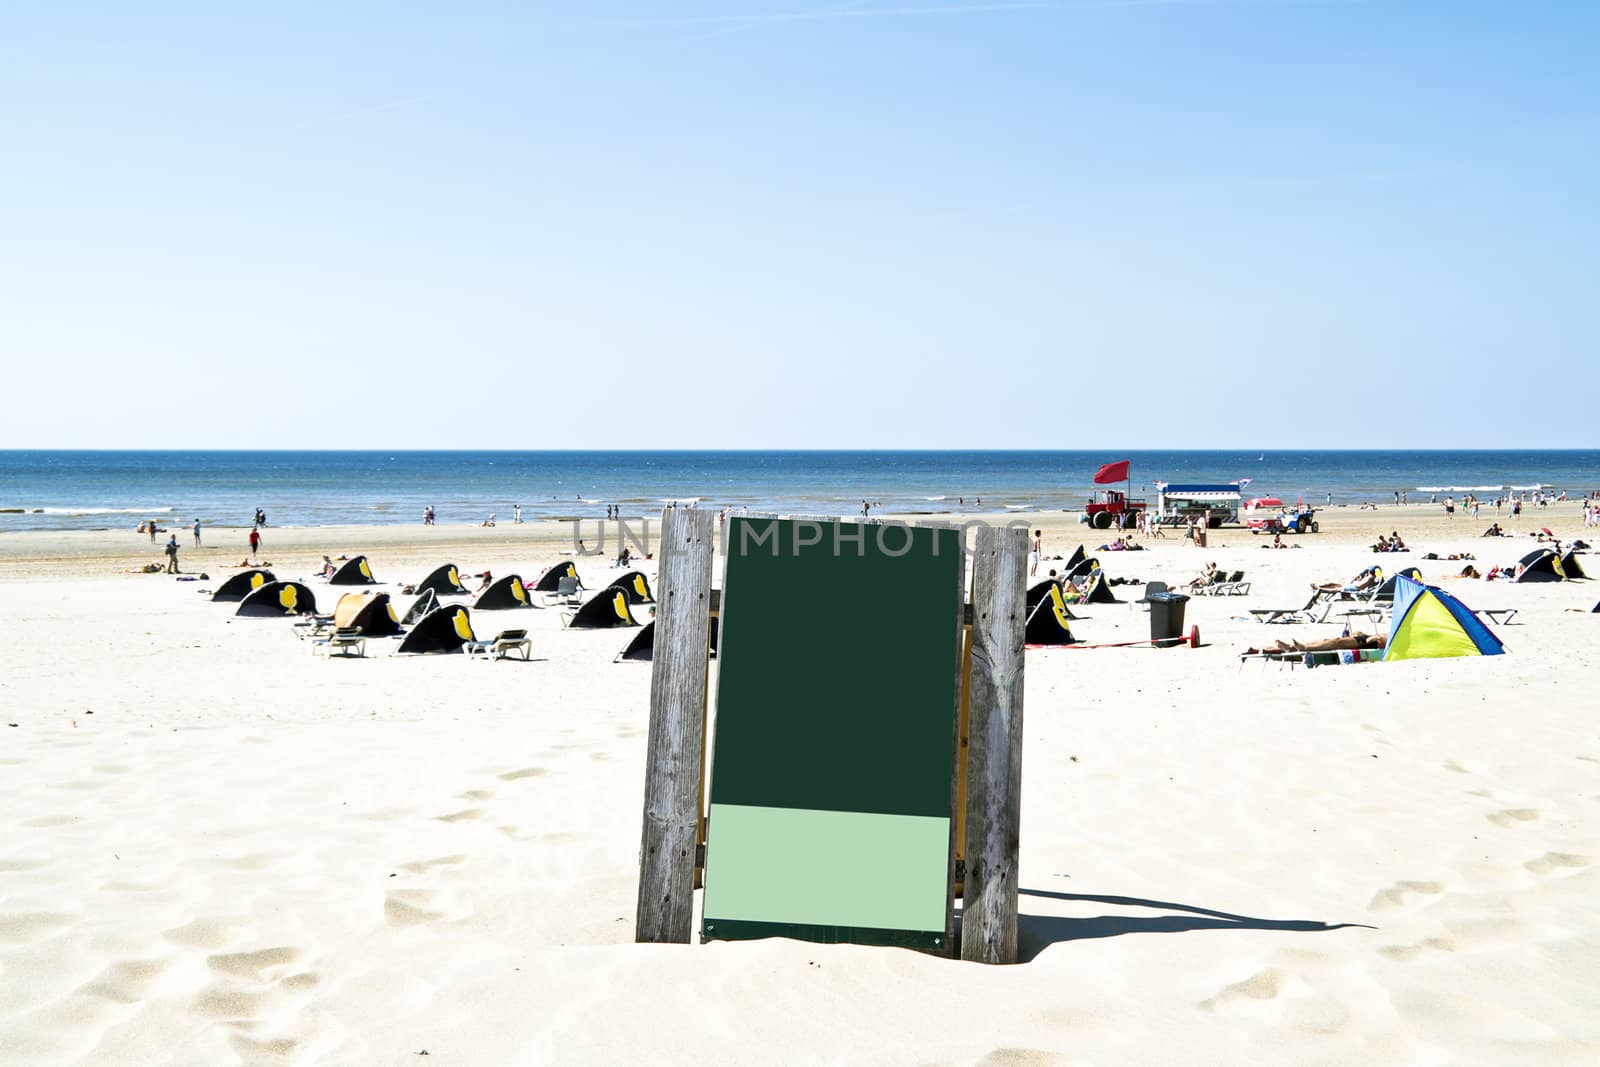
<point>1035,550</point>
<point>172,554</point>
<point>255,541</point>
<point>197,532</point>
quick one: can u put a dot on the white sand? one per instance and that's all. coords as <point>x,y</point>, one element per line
<point>221,849</point>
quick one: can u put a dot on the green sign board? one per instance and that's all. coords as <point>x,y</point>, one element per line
<point>831,766</point>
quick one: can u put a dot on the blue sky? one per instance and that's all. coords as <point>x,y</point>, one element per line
<point>1118,224</point>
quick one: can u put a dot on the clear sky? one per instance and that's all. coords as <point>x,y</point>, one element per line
<point>1109,223</point>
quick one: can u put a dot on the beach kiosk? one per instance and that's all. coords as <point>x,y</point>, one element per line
<point>1216,502</point>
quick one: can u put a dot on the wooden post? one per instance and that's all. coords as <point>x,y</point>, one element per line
<point>675,765</point>
<point>994,757</point>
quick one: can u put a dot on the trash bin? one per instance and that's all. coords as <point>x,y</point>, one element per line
<point>1166,617</point>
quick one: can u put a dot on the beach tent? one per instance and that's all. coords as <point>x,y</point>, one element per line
<point>444,629</point>
<point>1073,560</point>
<point>1047,622</point>
<point>1570,565</point>
<point>1098,591</point>
<point>503,595</point>
<point>605,609</point>
<point>1387,589</point>
<point>642,647</point>
<point>370,613</point>
<point>550,580</point>
<point>242,585</point>
<point>636,586</point>
<point>1540,565</point>
<point>1429,623</point>
<point>277,599</point>
<point>420,607</point>
<point>1038,592</point>
<point>354,572</point>
<point>444,581</point>
<point>1081,568</point>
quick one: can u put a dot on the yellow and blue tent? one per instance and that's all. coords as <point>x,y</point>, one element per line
<point>1429,623</point>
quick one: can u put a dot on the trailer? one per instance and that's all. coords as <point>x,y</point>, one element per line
<point>1213,503</point>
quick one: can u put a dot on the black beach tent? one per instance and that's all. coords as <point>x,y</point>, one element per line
<point>420,607</point>
<point>1047,622</point>
<point>242,585</point>
<point>643,645</point>
<point>550,580</point>
<point>1570,565</point>
<point>1385,592</point>
<point>605,609</point>
<point>1540,565</point>
<point>503,595</point>
<point>354,572</point>
<point>1073,560</point>
<point>1098,591</point>
<point>1081,567</point>
<point>369,614</point>
<point>444,581</point>
<point>636,586</point>
<point>278,599</point>
<point>444,629</point>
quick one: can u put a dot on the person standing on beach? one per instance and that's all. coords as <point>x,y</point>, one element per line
<point>197,532</point>
<point>152,531</point>
<point>1035,551</point>
<point>516,514</point>
<point>255,540</point>
<point>172,554</point>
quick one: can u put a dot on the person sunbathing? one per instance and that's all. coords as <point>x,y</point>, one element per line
<point>1205,577</point>
<point>1381,545</point>
<point>1327,644</point>
<point>1494,531</point>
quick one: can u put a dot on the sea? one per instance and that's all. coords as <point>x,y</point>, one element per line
<point>85,490</point>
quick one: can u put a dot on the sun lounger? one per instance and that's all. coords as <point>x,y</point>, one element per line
<point>1235,585</point>
<point>504,643</point>
<point>1501,616</point>
<point>346,641</point>
<point>569,592</point>
<point>313,626</point>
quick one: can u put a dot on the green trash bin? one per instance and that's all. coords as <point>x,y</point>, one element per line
<point>1166,618</point>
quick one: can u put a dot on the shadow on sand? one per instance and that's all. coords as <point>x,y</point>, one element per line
<point>1035,933</point>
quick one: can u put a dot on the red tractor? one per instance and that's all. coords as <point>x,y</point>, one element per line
<point>1114,508</point>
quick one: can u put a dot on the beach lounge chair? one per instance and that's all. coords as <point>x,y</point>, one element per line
<point>345,641</point>
<point>1234,586</point>
<point>1306,613</point>
<point>504,643</point>
<point>313,626</point>
<point>568,592</point>
<point>1501,616</point>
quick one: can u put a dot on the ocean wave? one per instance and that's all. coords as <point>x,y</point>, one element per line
<point>1460,488</point>
<point>1017,507</point>
<point>935,498</point>
<point>100,511</point>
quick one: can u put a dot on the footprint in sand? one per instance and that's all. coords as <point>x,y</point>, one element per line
<point>424,866</point>
<point>1512,816</point>
<point>464,815</point>
<point>1020,1057</point>
<point>1407,953</point>
<point>25,927</point>
<point>1452,765</point>
<point>1396,896</point>
<point>1556,862</point>
<point>206,933</point>
<point>526,772</point>
<point>476,794</point>
<point>413,907</point>
<point>125,982</point>
<point>258,966</point>
<point>1269,984</point>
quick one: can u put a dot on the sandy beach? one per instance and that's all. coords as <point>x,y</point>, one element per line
<point>223,849</point>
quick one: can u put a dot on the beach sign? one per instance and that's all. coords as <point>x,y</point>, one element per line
<point>832,761</point>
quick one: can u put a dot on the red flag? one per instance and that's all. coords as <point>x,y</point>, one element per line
<point>1112,473</point>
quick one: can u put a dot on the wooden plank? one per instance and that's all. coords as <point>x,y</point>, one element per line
<point>994,756</point>
<point>675,765</point>
<point>958,765</point>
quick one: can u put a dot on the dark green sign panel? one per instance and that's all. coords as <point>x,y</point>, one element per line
<point>835,733</point>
